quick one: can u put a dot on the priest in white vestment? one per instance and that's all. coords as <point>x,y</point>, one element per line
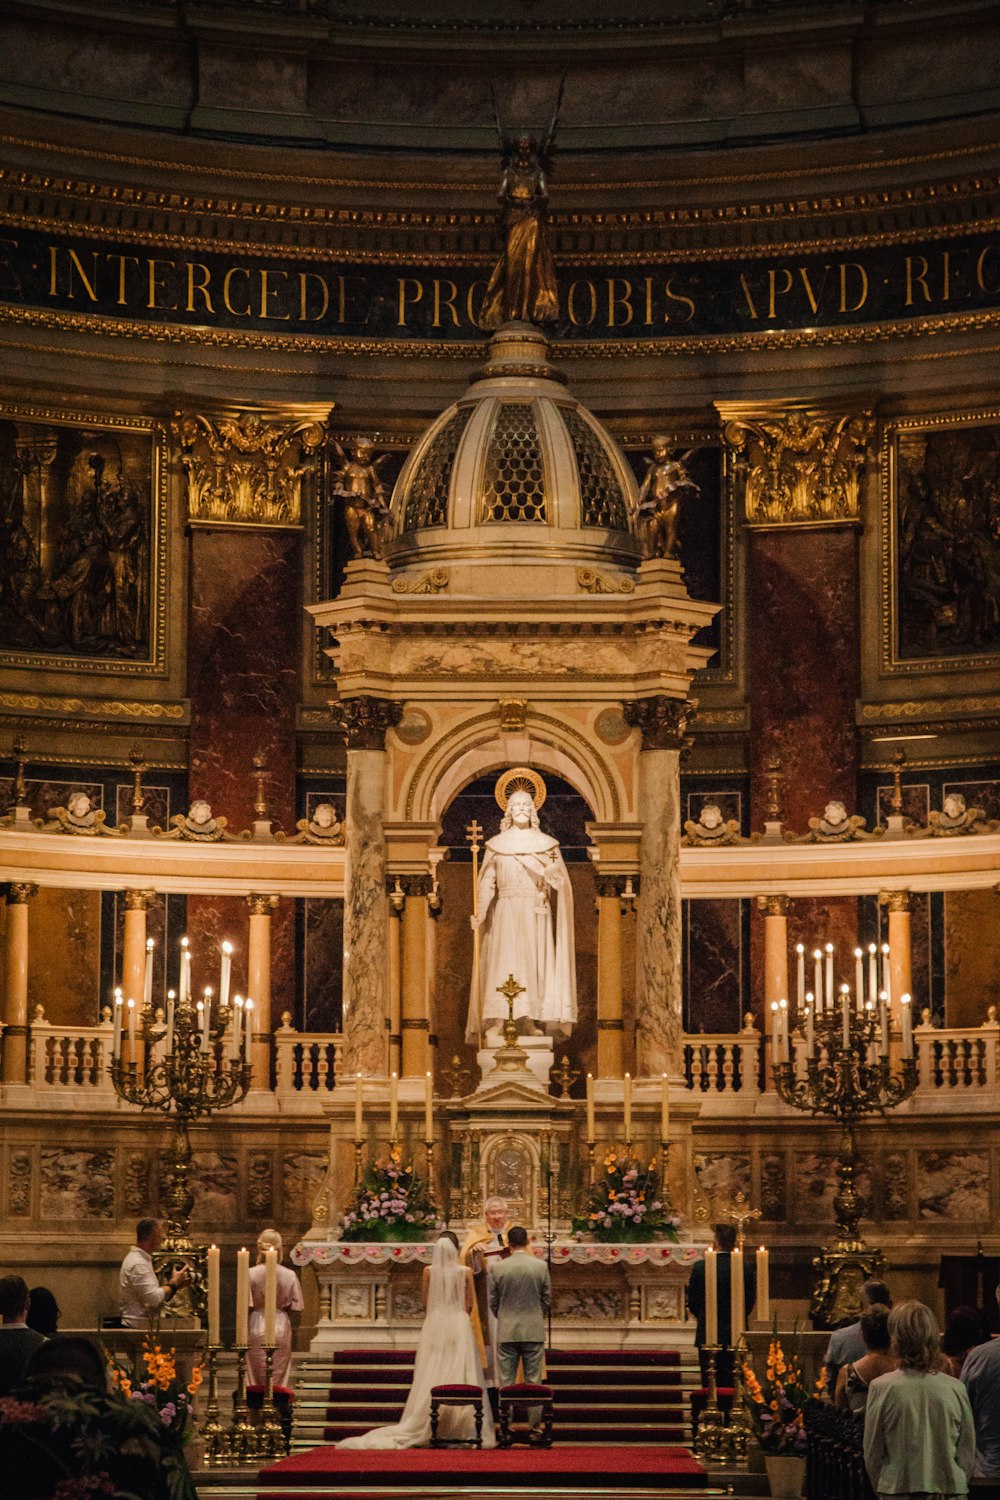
<point>526,926</point>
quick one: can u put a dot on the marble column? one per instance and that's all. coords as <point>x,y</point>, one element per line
<point>15,1011</point>
<point>775,909</point>
<point>897,904</point>
<point>366,969</point>
<point>415,1018</point>
<point>259,987</point>
<point>610,1051</point>
<point>659,983</point>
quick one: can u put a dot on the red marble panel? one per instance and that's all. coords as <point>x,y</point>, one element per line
<point>243,654</point>
<point>802,647</point>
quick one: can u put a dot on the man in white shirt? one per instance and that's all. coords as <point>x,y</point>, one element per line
<point>139,1290</point>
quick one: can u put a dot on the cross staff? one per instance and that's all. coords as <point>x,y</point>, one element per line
<point>741,1213</point>
<point>473,833</point>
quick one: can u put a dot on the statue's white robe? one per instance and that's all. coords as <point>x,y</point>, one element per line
<point>526,911</point>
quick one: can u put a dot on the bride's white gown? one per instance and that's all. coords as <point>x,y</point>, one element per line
<point>446,1355</point>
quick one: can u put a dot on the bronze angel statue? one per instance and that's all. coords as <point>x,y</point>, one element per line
<point>523,284</point>
<point>358,483</point>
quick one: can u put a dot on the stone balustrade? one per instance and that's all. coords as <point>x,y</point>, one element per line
<point>955,1064</point>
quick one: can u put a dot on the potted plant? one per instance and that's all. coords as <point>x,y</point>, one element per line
<point>776,1405</point>
<point>390,1203</point>
<point>625,1206</point>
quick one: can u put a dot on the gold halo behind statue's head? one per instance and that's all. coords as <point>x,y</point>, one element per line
<point>519,779</point>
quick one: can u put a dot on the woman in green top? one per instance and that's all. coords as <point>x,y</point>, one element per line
<point>919,1435</point>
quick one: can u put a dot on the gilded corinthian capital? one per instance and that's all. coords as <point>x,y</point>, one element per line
<point>248,469</point>
<point>663,721</point>
<point>798,467</point>
<point>365,720</point>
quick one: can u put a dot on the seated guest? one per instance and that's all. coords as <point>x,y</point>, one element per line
<point>965,1330</point>
<point>981,1378</point>
<point>67,1435</point>
<point>140,1293</point>
<point>846,1343</point>
<point>725,1243</point>
<point>856,1376</point>
<point>43,1312</point>
<point>17,1341</point>
<point>919,1435</point>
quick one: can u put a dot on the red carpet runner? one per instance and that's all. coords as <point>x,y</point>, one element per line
<point>649,1467</point>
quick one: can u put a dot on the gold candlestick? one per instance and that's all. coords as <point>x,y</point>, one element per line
<point>710,1443</point>
<point>358,1148</point>
<point>212,1430</point>
<point>740,1427</point>
<point>271,1441</point>
<point>242,1443</point>
<point>592,1162</point>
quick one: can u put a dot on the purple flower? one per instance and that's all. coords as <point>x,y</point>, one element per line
<point>167,1413</point>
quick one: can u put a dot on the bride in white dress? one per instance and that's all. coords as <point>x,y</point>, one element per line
<point>446,1355</point>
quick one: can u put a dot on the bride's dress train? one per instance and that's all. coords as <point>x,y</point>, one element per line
<point>446,1355</point>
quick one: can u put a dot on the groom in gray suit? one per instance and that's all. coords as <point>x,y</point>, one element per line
<point>519,1296</point>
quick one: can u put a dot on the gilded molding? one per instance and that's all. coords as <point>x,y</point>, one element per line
<point>93,708</point>
<point>773,906</point>
<point>798,467</point>
<point>434,582</point>
<point>246,470</point>
<point>894,900</point>
<point>513,715</point>
<point>20,892</point>
<point>139,900</point>
<point>260,905</point>
<point>937,708</point>
<point>592,582</point>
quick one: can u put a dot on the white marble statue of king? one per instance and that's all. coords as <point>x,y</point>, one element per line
<point>525,917</point>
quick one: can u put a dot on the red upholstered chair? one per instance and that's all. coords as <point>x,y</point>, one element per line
<point>456,1395</point>
<point>525,1394</point>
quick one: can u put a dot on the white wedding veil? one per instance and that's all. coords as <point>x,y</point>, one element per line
<point>446,1288</point>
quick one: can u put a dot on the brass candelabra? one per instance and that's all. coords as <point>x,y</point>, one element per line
<point>185,1066</point>
<point>847,1074</point>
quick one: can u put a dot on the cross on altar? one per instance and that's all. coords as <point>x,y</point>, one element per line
<point>740,1213</point>
<point>510,989</point>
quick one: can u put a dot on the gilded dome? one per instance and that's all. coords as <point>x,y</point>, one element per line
<point>517,470</point>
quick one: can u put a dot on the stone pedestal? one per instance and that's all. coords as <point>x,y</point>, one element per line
<point>539,1061</point>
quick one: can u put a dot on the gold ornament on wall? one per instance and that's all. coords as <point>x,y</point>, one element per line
<point>799,467</point>
<point>247,470</point>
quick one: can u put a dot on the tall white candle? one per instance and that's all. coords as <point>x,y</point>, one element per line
<point>116,1017</point>
<point>783,1022</point>
<point>359,1108</point>
<point>247,1028</point>
<point>859,978</point>
<point>775,1040</point>
<point>590,1107</point>
<point>429,1107</point>
<point>225,972</point>
<point>200,1017</point>
<point>665,1108</point>
<point>147,998</point>
<point>737,1299</point>
<point>270,1296</point>
<point>393,1105</point>
<point>818,978</point>
<point>873,973</point>
<point>845,996</point>
<point>810,1030</point>
<point>237,1026</point>
<point>800,975</point>
<point>184,984</point>
<point>883,1016</point>
<point>763,1284</point>
<point>131,1030</point>
<point>829,976</point>
<point>886,982</point>
<point>907,1014</point>
<point>171,1013</point>
<point>242,1298</point>
<point>711,1296</point>
<point>627,1104</point>
<point>206,1019</point>
<point>213,1293</point>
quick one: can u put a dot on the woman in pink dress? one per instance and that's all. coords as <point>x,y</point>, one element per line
<point>289,1301</point>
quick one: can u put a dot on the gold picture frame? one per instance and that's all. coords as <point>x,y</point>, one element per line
<point>83,529</point>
